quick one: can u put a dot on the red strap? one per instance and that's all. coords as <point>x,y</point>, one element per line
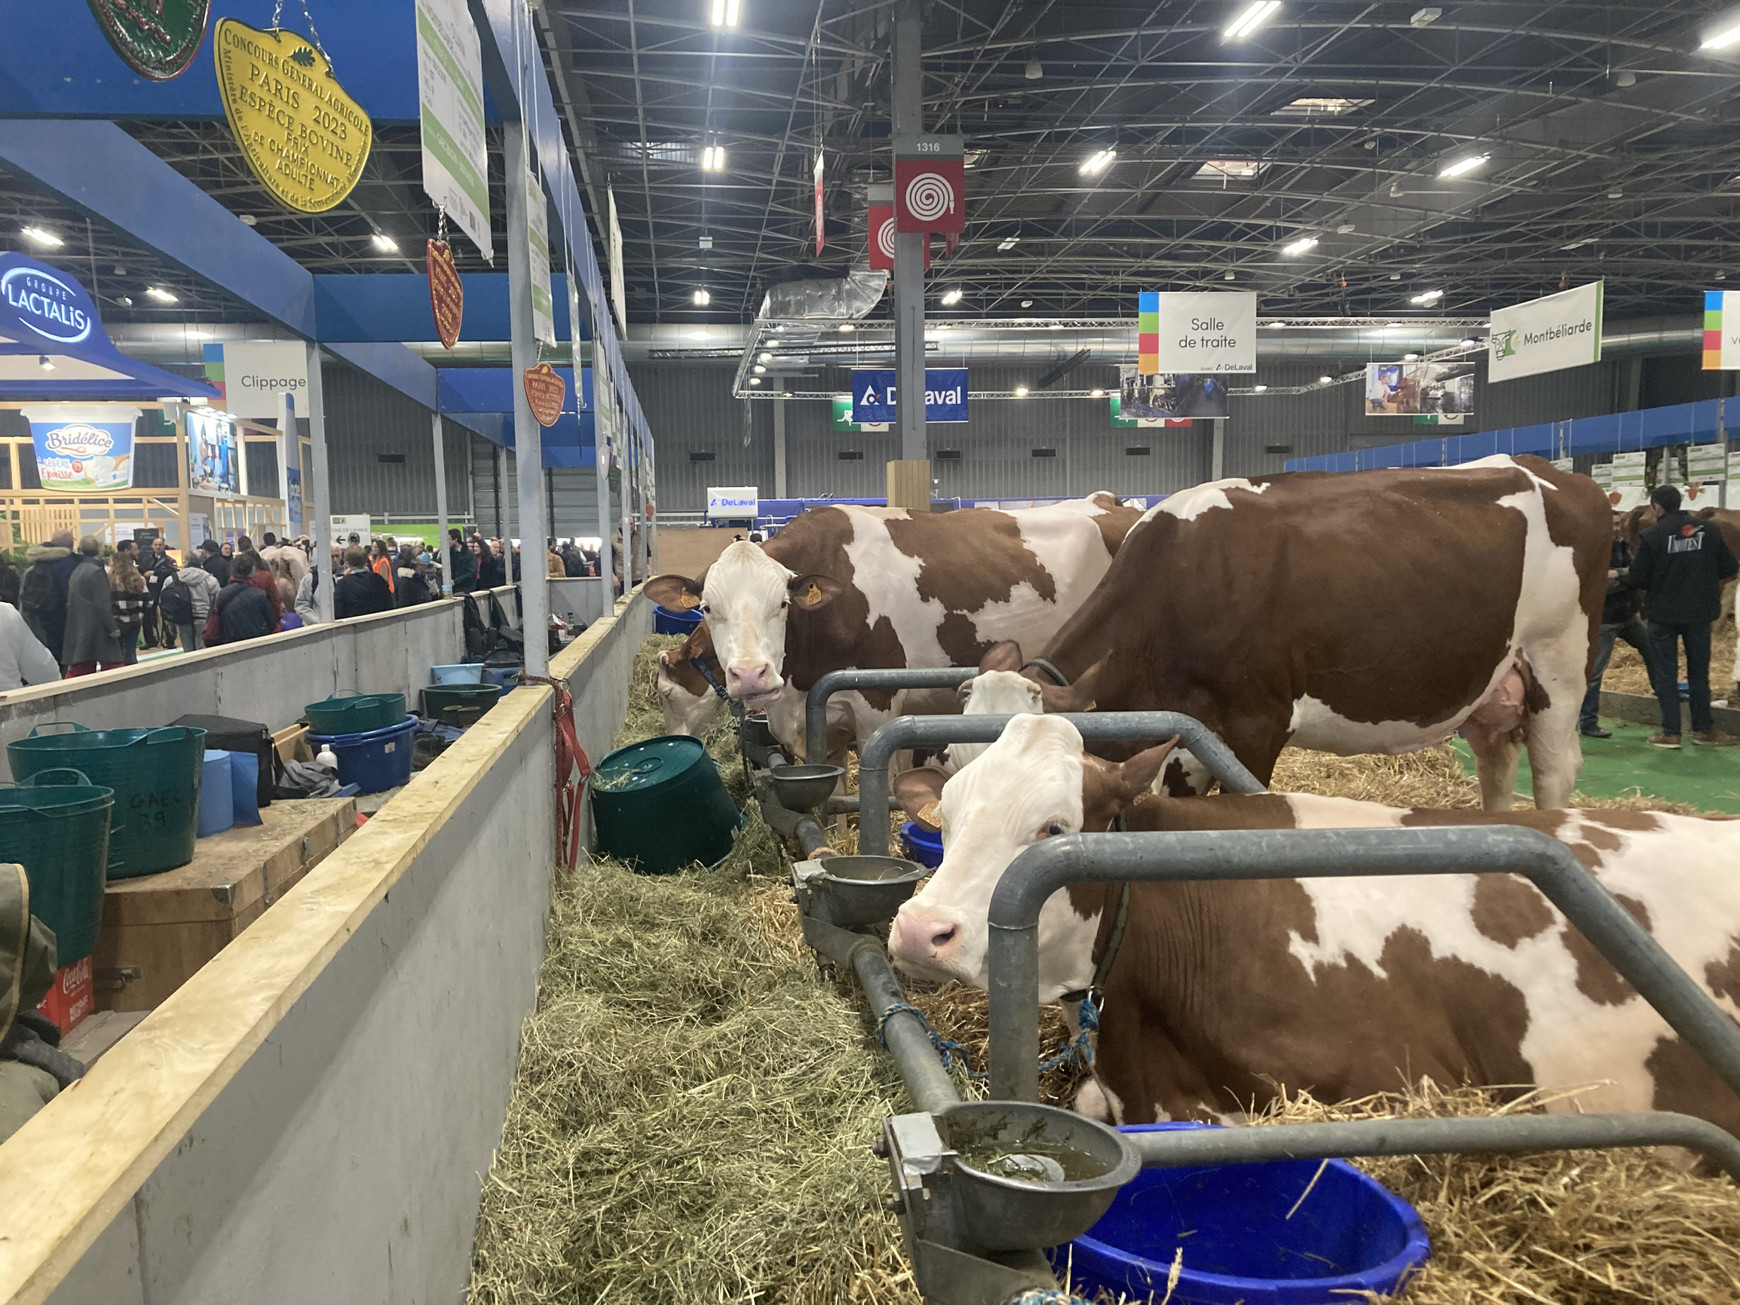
<point>570,756</point>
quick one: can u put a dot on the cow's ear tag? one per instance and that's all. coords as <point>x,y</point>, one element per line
<point>690,601</point>
<point>930,814</point>
<point>813,594</point>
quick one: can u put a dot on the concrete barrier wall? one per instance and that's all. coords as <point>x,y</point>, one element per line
<point>269,680</point>
<point>309,1119</point>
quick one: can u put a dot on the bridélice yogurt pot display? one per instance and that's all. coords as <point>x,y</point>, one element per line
<point>83,446</point>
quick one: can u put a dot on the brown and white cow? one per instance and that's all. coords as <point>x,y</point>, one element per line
<point>862,587</point>
<point>1223,993</point>
<point>1377,611</point>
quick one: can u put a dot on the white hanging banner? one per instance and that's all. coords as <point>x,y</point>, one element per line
<point>1707,463</point>
<point>1204,334</point>
<point>538,223</point>
<point>618,287</point>
<point>1546,335</point>
<point>450,96</point>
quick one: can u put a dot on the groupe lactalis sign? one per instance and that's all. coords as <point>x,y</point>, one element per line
<point>1196,333</point>
<point>305,139</point>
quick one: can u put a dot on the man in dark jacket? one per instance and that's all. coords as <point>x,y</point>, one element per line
<point>1618,621</point>
<point>212,559</point>
<point>461,563</point>
<point>359,591</point>
<point>1682,561</point>
<point>159,569</point>
<point>241,611</point>
<point>42,590</point>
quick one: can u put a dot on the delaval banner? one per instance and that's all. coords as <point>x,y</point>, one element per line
<point>874,394</point>
<point>83,448</point>
<point>1546,335</point>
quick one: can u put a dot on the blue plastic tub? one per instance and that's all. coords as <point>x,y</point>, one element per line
<point>1349,1236</point>
<point>463,673</point>
<point>665,621</point>
<point>217,799</point>
<point>505,676</point>
<point>921,844</point>
<point>377,760</point>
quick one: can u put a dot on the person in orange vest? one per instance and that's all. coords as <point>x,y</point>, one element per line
<point>381,562</point>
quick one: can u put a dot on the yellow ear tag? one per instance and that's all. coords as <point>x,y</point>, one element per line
<point>690,601</point>
<point>813,595</point>
<point>930,814</point>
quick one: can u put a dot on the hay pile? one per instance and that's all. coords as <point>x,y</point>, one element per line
<point>1567,1227</point>
<point>1625,672</point>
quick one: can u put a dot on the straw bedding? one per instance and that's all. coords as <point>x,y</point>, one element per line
<point>695,1106</point>
<point>1625,672</point>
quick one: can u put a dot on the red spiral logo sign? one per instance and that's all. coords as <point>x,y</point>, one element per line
<point>929,196</point>
<point>885,237</point>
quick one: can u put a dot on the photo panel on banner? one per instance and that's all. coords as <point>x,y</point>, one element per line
<point>1169,396</point>
<point>213,452</point>
<point>1420,388</point>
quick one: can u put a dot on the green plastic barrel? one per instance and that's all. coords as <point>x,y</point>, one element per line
<point>56,825</point>
<point>659,805</point>
<point>438,697</point>
<point>355,713</point>
<point>155,774</point>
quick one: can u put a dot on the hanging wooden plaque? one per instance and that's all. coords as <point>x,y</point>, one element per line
<point>305,139</point>
<point>157,38</point>
<point>446,293</point>
<point>545,392</point>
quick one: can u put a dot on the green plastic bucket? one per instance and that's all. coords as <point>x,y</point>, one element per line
<point>56,825</point>
<point>155,774</point>
<point>438,697</point>
<point>355,713</point>
<point>659,805</point>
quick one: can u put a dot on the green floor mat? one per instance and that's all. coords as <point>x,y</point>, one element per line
<point>1626,766</point>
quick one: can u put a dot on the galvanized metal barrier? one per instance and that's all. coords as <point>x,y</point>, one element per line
<point>1095,727</point>
<point>1046,867</point>
<point>816,704</point>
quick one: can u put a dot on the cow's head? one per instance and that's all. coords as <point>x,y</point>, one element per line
<point>1035,782</point>
<point>999,689</point>
<point>746,597</point>
<point>689,703</point>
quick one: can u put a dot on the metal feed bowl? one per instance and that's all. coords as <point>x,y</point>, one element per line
<point>804,788</point>
<point>1009,1214</point>
<point>755,738</point>
<point>853,891</point>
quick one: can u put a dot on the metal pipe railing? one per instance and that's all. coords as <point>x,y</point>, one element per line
<point>904,1031</point>
<point>1498,1134</point>
<point>1044,868</point>
<point>1095,727</point>
<point>816,704</point>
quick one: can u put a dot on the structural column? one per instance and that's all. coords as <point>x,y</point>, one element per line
<point>625,447</point>
<point>603,413</point>
<point>909,275</point>
<point>779,439</point>
<point>528,435</point>
<point>441,553</point>
<point>317,472</point>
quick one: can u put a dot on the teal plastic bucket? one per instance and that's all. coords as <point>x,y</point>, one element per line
<point>56,825</point>
<point>660,805</point>
<point>355,713</point>
<point>155,775</point>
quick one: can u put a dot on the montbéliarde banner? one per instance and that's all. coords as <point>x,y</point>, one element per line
<point>1546,335</point>
<point>874,394</point>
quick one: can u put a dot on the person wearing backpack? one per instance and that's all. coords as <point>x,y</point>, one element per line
<point>242,610</point>
<point>42,591</point>
<point>185,602</point>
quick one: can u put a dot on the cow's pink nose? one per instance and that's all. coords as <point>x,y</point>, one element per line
<point>741,681</point>
<point>923,938</point>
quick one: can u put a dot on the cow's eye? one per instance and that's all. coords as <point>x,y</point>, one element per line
<point>785,604</point>
<point>705,610</point>
<point>1052,830</point>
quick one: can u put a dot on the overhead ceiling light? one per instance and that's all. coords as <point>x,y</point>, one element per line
<point>1616,194</point>
<point>1463,166</point>
<point>1275,326</point>
<point>1325,380</point>
<point>247,219</point>
<point>765,357</point>
<point>726,13</point>
<point>46,363</point>
<point>1259,388</point>
<point>1253,17</point>
<point>1096,394</point>
<point>126,301</point>
<point>1034,69</point>
<point>41,236</point>
<point>1394,326</point>
<point>755,380</point>
<point>847,327</point>
<point>1468,342</point>
<point>703,298</point>
<point>1303,245</point>
<point>1426,17</point>
<point>1230,275</point>
<point>1410,357</point>
<point>161,295</point>
<point>1095,164</point>
<point>1008,243</point>
<point>1230,169</point>
<point>951,297</point>
<point>1020,391</point>
<point>1054,326</point>
<point>1578,244</point>
<point>385,243</point>
<point>713,158</point>
<point>1345,229</point>
<point>1027,303</point>
<point>760,370</point>
<point>1308,106</point>
<point>1723,37</point>
<point>1427,298</point>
